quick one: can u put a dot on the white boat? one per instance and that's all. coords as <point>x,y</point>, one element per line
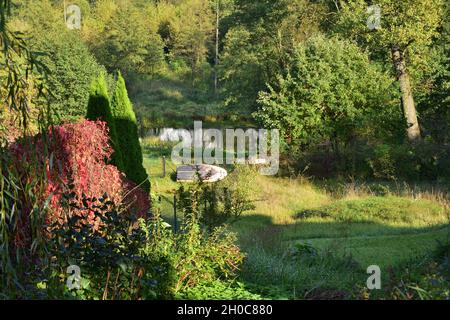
<point>206,172</point>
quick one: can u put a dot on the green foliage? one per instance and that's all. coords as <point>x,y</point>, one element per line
<point>381,163</point>
<point>99,109</point>
<point>408,25</point>
<point>22,78</point>
<point>122,36</point>
<point>258,46</point>
<point>407,34</point>
<point>300,249</point>
<point>193,33</point>
<point>124,258</point>
<point>22,84</point>
<point>331,89</point>
<point>103,253</point>
<point>425,279</point>
<point>433,84</point>
<point>214,204</point>
<point>285,63</point>
<point>171,101</point>
<point>411,162</point>
<point>70,66</point>
<point>366,159</point>
<point>198,257</point>
<point>127,135</point>
<point>72,69</point>
<point>219,290</point>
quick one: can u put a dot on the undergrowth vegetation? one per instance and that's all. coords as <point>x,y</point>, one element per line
<point>73,212</point>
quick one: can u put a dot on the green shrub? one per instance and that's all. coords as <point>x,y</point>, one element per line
<point>218,290</point>
<point>199,256</point>
<point>369,159</point>
<point>99,108</point>
<point>72,70</point>
<point>127,133</point>
<point>381,163</point>
<point>214,204</point>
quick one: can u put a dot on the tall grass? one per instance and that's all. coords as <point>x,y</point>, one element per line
<point>22,225</point>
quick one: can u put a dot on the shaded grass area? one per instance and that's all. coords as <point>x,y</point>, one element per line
<point>386,250</point>
<point>304,241</point>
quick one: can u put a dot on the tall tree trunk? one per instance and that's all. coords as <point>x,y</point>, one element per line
<point>216,58</point>
<point>409,109</point>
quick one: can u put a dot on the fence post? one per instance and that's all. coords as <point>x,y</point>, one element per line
<point>175,222</point>
<point>164,166</point>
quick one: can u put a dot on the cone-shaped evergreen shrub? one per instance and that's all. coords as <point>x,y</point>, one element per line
<point>99,109</point>
<point>127,133</point>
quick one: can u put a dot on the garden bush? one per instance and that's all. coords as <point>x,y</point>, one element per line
<point>71,207</point>
<point>421,160</point>
<point>112,260</point>
<point>72,68</point>
<point>73,158</point>
<point>219,290</point>
<point>214,204</point>
<point>199,256</point>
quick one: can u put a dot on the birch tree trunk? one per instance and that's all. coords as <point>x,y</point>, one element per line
<point>216,58</point>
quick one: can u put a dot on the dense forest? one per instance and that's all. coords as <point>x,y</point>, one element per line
<point>359,91</point>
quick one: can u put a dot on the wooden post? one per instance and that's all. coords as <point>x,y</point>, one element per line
<point>65,13</point>
<point>164,166</point>
<point>175,222</point>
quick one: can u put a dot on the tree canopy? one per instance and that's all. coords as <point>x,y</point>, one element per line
<point>331,88</point>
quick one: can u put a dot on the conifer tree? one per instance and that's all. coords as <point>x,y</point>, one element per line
<point>99,109</point>
<point>127,132</point>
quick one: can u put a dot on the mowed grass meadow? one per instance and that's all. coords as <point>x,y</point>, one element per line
<point>303,241</point>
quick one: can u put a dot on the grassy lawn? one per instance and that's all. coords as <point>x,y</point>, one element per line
<point>347,233</point>
<point>385,250</point>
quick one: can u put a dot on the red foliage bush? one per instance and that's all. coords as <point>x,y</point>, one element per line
<point>74,160</point>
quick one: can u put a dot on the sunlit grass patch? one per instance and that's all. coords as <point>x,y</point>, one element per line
<point>388,210</point>
<point>280,197</point>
